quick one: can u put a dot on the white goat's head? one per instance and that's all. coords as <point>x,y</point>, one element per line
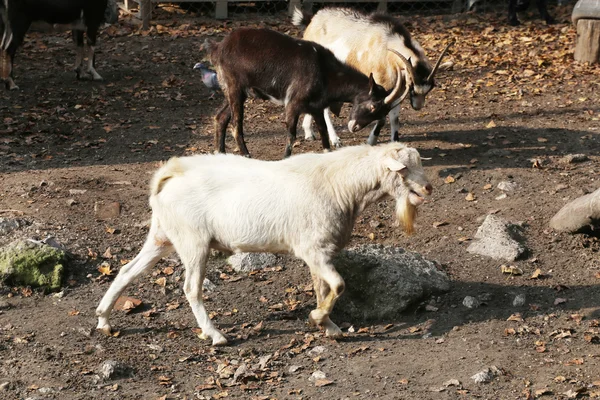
<point>421,79</point>
<point>405,181</point>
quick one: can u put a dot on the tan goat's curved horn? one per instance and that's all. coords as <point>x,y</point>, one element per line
<point>411,73</point>
<point>401,99</point>
<point>439,61</point>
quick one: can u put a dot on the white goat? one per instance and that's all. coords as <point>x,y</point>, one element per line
<point>362,41</point>
<point>305,205</point>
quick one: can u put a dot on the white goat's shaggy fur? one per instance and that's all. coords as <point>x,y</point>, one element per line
<point>305,205</point>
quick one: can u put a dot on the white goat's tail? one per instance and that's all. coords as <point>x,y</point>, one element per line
<point>171,169</point>
<point>301,18</point>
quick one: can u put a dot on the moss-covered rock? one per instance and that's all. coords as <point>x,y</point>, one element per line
<point>30,263</point>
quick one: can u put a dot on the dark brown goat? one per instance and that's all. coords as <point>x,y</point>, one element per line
<point>303,76</point>
<point>86,16</point>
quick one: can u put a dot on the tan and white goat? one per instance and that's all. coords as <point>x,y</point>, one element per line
<point>305,205</point>
<point>362,41</point>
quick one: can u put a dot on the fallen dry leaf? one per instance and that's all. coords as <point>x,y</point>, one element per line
<point>511,269</point>
<point>125,303</point>
<point>470,197</point>
<point>323,382</point>
<point>105,269</point>
<point>536,274</point>
<point>449,179</point>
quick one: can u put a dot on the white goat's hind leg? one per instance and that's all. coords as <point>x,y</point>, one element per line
<point>157,246</point>
<point>95,76</point>
<point>309,134</point>
<point>328,285</point>
<point>395,123</point>
<point>333,137</point>
<point>194,257</point>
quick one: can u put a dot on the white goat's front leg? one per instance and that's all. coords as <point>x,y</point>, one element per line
<point>395,123</point>
<point>333,137</point>
<point>328,285</point>
<point>194,257</point>
<point>309,134</point>
<point>157,246</point>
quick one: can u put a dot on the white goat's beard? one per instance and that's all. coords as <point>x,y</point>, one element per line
<point>406,213</point>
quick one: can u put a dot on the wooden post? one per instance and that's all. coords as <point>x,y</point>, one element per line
<point>588,41</point>
<point>221,9</point>
<point>382,6</point>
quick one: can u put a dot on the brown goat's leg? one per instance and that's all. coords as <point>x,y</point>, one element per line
<point>10,41</point>
<point>236,104</point>
<point>322,128</point>
<point>79,52</point>
<point>222,119</point>
<point>291,121</point>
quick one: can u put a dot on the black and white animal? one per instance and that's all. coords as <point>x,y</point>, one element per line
<point>83,16</point>
<point>362,41</point>
<point>303,76</point>
<point>515,6</point>
<point>209,78</point>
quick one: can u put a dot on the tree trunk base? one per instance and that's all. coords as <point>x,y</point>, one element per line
<point>588,41</point>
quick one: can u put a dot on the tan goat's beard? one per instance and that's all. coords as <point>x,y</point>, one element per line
<point>406,213</point>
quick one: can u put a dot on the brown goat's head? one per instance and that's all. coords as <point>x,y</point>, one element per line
<point>422,79</point>
<point>378,102</point>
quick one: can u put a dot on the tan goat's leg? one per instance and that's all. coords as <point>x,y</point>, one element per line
<point>156,247</point>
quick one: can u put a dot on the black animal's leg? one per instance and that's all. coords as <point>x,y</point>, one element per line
<point>291,120</point>
<point>92,34</point>
<point>543,9</point>
<point>322,128</point>
<point>374,135</point>
<point>236,104</point>
<point>395,123</point>
<point>12,37</point>
<point>78,39</point>
<point>512,13</point>
<point>222,119</point>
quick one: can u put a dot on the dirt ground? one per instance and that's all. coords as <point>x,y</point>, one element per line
<point>512,108</point>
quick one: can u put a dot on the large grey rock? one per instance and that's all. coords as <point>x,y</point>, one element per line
<point>383,281</point>
<point>498,239</point>
<point>31,263</point>
<point>581,213</point>
<point>246,262</point>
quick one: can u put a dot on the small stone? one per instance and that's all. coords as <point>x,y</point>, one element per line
<point>4,386</point>
<point>8,225</point>
<point>501,196</point>
<point>485,297</point>
<point>506,186</point>
<point>519,300</point>
<point>111,369</point>
<point>208,286</point>
<point>315,351</point>
<point>246,262</point>
<point>106,211</point>
<point>561,186</point>
<point>317,375</point>
<point>452,382</point>
<point>294,368</point>
<point>431,308</point>
<point>471,302</point>
<point>73,192</point>
<point>72,202</point>
<point>487,375</point>
<point>374,224</point>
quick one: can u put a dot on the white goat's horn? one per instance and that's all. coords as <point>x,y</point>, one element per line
<point>411,75</point>
<point>439,61</point>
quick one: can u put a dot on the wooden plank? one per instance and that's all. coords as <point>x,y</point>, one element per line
<point>145,13</point>
<point>587,48</point>
<point>221,9</point>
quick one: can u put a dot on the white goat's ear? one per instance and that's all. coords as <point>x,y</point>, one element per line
<point>394,165</point>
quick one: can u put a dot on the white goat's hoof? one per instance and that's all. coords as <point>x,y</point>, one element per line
<point>219,341</point>
<point>333,331</point>
<point>105,330</point>
<point>96,77</point>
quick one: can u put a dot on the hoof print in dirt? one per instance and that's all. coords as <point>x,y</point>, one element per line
<point>31,263</point>
<point>580,214</point>
<point>383,281</point>
<point>498,239</point>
